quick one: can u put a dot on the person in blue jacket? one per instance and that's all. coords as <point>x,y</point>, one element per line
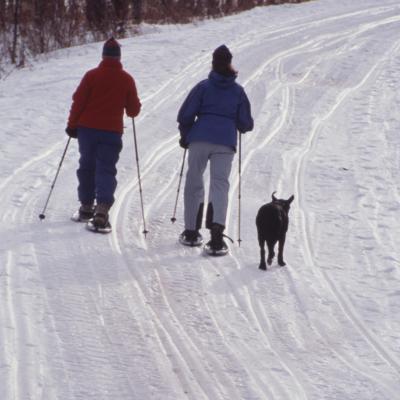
<point>209,119</point>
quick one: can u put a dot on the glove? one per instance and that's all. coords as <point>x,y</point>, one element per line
<point>182,143</point>
<point>71,132</point>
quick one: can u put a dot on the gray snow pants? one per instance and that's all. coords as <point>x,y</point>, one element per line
<point>221,158</point>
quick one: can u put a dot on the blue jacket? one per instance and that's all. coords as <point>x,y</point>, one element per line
<point>215,109</point>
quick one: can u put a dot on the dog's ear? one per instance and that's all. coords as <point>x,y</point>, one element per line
<point>273,196</point>
<point>290,199</point>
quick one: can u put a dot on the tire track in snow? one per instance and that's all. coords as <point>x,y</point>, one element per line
<point>22,339</point>
<point>378,196</point>
<point>295,29</point>
<point>184,353</point>
<point>313,44</point>
<point>33,164</point>
<point>160,198</point>
<point>278,129</point>
<point>165,87</point>
<point>18,180</point>
<point>213,366</point>
<point>381,352</point>
<point>366,27</point>
<point>239,44</point>
<point>343,303</point>
<point>163,150</point>
<point>351,363</point>
<point>286,97</point>
<point>90,350</point>
<point>11,362</point>
<point>250,312</point>
<point>133,336</point>
<point>176,328</point>
<point>266,66</point>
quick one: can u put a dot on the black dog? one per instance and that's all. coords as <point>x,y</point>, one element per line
<point>272,224</point>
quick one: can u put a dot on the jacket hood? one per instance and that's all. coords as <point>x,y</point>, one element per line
<point>221,80</point>
<point>110,63</point>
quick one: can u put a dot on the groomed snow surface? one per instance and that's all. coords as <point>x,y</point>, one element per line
<point>121,317</point>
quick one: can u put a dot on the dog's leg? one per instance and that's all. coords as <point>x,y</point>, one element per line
<point>280,250</point>
<point>271,253</point>
<point>261,242</point>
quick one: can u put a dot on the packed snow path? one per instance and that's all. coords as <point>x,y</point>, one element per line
<point>85,316</point>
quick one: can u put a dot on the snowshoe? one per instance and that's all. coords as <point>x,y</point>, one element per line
<point>212,251</point>
<point>191,238</point>
<point>99,223</point>
<point>84,214</point>
<point>217,246</point>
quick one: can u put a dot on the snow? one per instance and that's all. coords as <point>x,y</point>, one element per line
<point>85,316</point>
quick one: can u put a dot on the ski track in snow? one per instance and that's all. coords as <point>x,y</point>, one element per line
<point>88,316</point>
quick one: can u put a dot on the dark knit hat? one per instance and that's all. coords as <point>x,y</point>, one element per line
<point>111,48</point>
<point>222,58</point>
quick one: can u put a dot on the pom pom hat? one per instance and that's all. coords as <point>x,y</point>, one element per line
<point>112,49</point>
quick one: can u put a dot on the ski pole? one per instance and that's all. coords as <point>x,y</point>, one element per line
<point>138,172</point>
<point>173,219</point>
<point>240,186</point>
<point>42,215</point>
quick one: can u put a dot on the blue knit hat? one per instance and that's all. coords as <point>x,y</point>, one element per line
<point>112,48</point>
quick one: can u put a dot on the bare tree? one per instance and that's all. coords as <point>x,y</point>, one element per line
<point>96,15</point>
<point>75,24</point>
<point>41,25</point>
<point>16,22</point>
<point>3,10</point>
<point>121,12</point>
<point>137,10</point>
<point>38,26</point>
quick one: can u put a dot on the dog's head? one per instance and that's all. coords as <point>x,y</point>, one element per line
<point>285,204</point>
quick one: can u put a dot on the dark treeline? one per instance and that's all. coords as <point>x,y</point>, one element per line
<point>31,27</point>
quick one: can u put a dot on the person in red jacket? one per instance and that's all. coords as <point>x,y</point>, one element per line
<point>96,120</point>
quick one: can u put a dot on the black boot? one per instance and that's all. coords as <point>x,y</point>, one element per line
<point>100,222</point>
<point>100,219</point>
<point>217,246</point>
<point>191,238</point>
<point>84,214</point>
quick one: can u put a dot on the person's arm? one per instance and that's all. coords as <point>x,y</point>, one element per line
<point>79,101</point>
<point>189,110</point>
<point>244,120</point>
<point>133,104</point>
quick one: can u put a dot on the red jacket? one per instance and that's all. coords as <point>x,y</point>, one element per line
<point>102,96</point>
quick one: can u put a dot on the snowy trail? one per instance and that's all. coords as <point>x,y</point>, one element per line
<point>85,316</point>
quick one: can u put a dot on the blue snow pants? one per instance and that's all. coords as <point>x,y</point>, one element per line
<point>99,153</point>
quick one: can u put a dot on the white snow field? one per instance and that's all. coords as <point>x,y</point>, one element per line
<point>120,317</point>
